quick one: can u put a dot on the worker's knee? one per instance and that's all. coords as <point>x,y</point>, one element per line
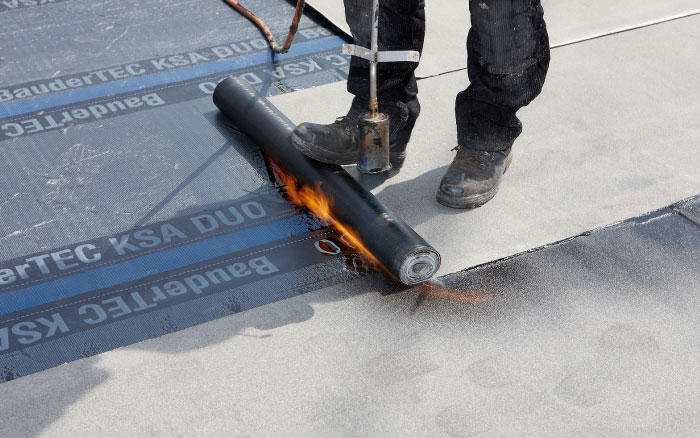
<point>401,22</point>
<point>507,35</point>
<point>357,15</point>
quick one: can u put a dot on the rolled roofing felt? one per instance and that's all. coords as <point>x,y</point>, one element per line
<point>402,252</point>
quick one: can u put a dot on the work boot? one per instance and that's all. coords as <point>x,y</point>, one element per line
<point>473,177</point>
<point>339,142</point>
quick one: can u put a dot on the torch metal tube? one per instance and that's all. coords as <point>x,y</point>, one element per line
<point>404,254</point>
<point>374,47</point>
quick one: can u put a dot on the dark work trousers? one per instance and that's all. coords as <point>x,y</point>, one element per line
<point>507,61</point>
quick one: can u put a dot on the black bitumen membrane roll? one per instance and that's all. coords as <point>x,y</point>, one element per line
<point>402,252</point>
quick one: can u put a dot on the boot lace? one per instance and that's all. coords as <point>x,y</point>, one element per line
<point>344,122</point>
<point>479,160</point>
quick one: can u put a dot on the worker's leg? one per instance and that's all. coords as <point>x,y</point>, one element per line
<point>508,57</point>
<point>401,27</point>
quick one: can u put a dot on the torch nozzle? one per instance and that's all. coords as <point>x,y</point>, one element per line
<point>373,108</point>
<point>374,143</point>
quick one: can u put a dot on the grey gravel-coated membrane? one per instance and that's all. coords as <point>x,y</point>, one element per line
<point>128,209</point>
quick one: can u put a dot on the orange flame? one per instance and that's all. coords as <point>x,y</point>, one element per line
<point>320,204</point>
<point>469,296</point>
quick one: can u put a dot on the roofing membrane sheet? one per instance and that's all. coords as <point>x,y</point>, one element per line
<point>120,180</point>
<point>592,335</point>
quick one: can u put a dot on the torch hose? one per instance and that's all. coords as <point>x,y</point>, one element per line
<point>266,30</point>
<point>401,251</point>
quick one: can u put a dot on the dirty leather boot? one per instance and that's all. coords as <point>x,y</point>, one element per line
<point>473,177</point>
<point>339,142</point>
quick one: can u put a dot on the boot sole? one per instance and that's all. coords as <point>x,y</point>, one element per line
<point>323,156</point>
<point>472,202</point>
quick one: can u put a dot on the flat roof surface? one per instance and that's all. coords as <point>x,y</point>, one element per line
<point>564,307</point>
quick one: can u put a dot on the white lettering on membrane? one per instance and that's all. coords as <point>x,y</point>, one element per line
<point>64,118</point>
<point>15,4</point>
<point>63,84</point>
<point>161,64</point>
<point>32,330</point>
<point>134,242</point>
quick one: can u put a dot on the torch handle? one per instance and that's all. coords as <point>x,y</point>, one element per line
<point>374,47</point>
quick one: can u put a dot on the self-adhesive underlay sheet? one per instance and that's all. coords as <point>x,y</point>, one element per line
<point>128,209</point>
